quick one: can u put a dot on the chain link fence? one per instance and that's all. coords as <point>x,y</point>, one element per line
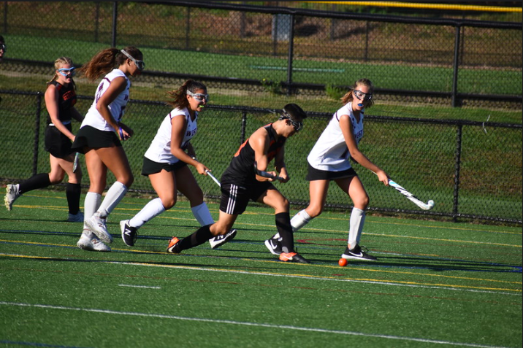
<point>290,51</point>
<point>471,170</point>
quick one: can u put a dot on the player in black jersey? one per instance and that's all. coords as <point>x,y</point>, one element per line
<point>240,183</point>
<point>60,100</point>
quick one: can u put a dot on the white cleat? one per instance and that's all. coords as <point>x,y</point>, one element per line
<point>98,226</point>
<point>12,192</point>
<point>88,241</point>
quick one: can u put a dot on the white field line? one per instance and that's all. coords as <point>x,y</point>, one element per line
<point>140,286</point>
<point>244,323</point>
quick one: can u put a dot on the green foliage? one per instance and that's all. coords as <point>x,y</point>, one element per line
<point>273,87</point>
<point>334,92</point>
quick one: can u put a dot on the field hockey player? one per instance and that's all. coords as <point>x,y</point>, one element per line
<point>241,183</point>
<point>165,164</point>
<point>329,161</point>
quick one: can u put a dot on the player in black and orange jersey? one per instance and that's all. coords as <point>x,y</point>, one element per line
<point>60,100</point>
<point>241,183</point>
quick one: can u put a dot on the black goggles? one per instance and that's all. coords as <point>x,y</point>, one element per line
<point>298,126</point>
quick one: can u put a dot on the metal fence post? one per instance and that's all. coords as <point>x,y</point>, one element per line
<point>37,132</point>
<point>457,167</point>
<point>115,19</point>
<point>5,17</point>
<point>290,57</point>
<point>456,66</point>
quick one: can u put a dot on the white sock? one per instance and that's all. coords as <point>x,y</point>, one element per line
<point>298,221</point>
<point>357,219</point>
<point>202,214</point>
<point>114,195</point>
<point>91,205</point>
<point>151,209</point>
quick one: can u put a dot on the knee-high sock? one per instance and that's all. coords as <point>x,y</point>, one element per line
<point>283,224</point>
<point>202,214</point>
<point>35,182</point>
<point>151,209</point>
<point>73,192</point>
<point>202,235</point>
<point>91,204</point>
<point>357,219</point>
<point>298,221</point>
<point>114,195</point>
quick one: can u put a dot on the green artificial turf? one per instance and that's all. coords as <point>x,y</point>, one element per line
<point>435,284</point>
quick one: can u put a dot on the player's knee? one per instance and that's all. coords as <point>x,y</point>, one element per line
<point>314,212</point>
<point>362,202</point>
<point>168,202</point>
<point>56,179</point>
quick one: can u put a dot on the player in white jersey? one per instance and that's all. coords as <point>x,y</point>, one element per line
<point>329,161</point>
<point>100,136</point>
<point>166,160</point>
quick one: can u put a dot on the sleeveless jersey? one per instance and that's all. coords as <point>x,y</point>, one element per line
<point>330,153</point>
<point>160,148</point>
<point>241,169</point>
<point>66,102</point>
<point>117,107</point>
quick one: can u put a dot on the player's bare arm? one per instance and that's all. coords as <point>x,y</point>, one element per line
<point>259,142</point>
<point>179,124</point>
<point>51,103</point>
<point>352,145</point>
<point>117,86</point>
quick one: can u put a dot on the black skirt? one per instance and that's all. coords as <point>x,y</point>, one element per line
<point>57,143</point>
<point>151,167</point>
<point>90,137</point>
<point>316,174</point>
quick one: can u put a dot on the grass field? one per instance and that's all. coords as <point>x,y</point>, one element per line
<point>435,285</point>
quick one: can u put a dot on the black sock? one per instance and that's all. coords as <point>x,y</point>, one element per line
<point>72,192</point>
<point>35,182</point>
<point>202,235</point>
<point>283,224</point>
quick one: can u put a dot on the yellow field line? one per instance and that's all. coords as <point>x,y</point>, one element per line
<point>423,6</point>
<point>309,265</point>
<point>283,274</point>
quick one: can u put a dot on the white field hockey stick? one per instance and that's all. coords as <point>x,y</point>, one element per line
<point>264,174</point>
<point>425,206</point>
<point>213,177</point>
<point>75,162</point>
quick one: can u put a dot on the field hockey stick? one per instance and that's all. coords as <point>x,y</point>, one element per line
<point>425,206</point>
<point>264,174</point>
<point>75,162</point>
<point>213,177</point>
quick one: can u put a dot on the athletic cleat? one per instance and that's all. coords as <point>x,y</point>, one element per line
<point>274,246</point>
<point>172,245</point>
<point>292,257</point>
<point>12,192</point>
<point>97,224</point>
<point>78,217</point>
<point>88,241</point>
<point>218,241</point>
<point>129,233</point>
<point>357,254</point>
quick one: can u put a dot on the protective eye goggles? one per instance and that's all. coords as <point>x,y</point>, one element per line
<point>360,95</point>
<point>3,47</point>
<point>298,126</point>
<point>199,96</point>
<point>66,72</point>
<point>140,64</point>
